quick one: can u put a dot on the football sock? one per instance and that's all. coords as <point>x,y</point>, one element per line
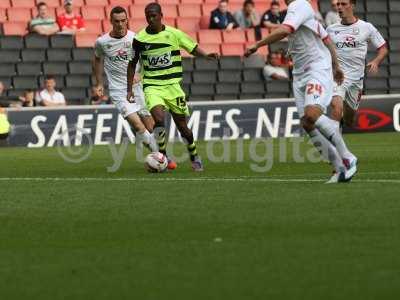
<point>192,151</point>
<point>159,134</point>
<point>330,131</point>
<point>328,152</point>
<point>148,140</point>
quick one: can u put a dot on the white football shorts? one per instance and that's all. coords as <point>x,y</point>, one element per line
<point>350,91</point>
<point>314,87</point>
<point>118,97</point>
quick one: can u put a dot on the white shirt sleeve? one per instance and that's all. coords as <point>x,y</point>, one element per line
<point>298,14</point>
<point>62,98</point>
<point>98,50</point>
<point>38,97</point>
<point>375,37</point>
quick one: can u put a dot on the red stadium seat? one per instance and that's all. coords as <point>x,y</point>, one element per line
<point>77,3</point>
<point>234,36</point>
<point>210,36</point>
<point>140,2</point>
<point>191,1</point>
<point>137,24</point>
<point>262,6</point>
<point>215,2</point>
<point>96,2</point>
<point>169,11</point>
<point>192,34</point>
<point>208,8</point>
<point>109,8</point>
<point>232,49</point>
<point>23,3</point>
<point>137,11</point>
<point>188,24</point>
<point>19,14</point>
<point>15,28</point>
<point>51,11</point>
<point>169,21</point>
<point>5,4</point>
<point>250,35</point>
<point>205,22</point>
<point>211,48</point>
<point>3,15</point>
<point>93,13</point>
<point>234,7</point>
<point>106,25</point>
<point>264,32</point>
<point>85,40</point>
<point>120,2</point>
<point>50,3</point>
<point>166,2</point>
<point>189,10</point>
<point>93,26</point>
<point>261,51</point>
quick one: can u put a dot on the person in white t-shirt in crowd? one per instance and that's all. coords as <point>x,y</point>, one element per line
<point>315,67</point>
<point>351,38</point>
<point>113,51</point>
<point>332,17</point>
<point>49,96</point>
<point>274,70</point>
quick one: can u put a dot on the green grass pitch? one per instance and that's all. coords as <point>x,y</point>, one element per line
<point>227,233</point>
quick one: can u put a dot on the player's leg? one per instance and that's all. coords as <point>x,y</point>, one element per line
<point>158,114</point>
<point>337,108</point>
<point>352,102</point>
<point>349,115</point>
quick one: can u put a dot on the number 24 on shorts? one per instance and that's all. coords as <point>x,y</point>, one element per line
<point>314,88</point>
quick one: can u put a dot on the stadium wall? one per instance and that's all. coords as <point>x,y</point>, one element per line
<point>210,120</point>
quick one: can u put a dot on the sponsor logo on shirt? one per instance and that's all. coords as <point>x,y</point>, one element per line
<point>122,55</point>
<point>350,42</point>
<point>163,60</point>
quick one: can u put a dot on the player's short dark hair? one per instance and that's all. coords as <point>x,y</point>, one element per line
<point>222,1</point>
<point>49,77</point>
<point>153,6</point>
<point>40,4</point>
<point>275,3</point>
<point>118,10</point>
<point>247,2</point>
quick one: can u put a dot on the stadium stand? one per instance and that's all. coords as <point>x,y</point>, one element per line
<point>26,58</point>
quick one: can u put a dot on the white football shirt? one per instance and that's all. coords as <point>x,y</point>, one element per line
<point>55,98</point>
<point>116,53</point>
<point>352,45</point>
<point>306,41</point>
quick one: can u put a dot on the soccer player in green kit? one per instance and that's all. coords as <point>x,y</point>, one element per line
<point>158,48</point>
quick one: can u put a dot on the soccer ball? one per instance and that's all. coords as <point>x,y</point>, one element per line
<point>156,162</point>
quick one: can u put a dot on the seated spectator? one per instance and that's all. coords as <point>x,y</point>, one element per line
<point>49,96</point>
<point>221,18</point>
<point>69,22</point>
<point>332,17</point>
<point>98,97</point>
<point>43,23</point>
<point>248,16</point>
<point>27,99</point>
<point>274,69</point>
<point>273,17</point>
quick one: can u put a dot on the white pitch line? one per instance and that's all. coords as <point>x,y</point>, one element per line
<point>212,179</point>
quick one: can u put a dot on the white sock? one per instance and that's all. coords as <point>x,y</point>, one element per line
<point>148,139</point>
<point>330,131</point>
<point>328,152</point>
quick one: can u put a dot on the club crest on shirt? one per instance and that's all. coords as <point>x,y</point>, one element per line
<point>356,31</point>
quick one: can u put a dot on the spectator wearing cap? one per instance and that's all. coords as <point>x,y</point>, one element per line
<point>332,17</point>
<point>274,70</point>
<point>43,23</point>
<point>49,96</point>
<point>273,17</point>
<point>221,18</point>
<point>69,22</point>
<point>247,17</point>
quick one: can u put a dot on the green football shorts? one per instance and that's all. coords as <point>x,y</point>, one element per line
<point>170,96</point>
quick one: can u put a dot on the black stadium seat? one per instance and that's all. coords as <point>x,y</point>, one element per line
<point>376,6</point>
<point>395,70</point>
<point>59,81</point>
<point>82,54</point>
<point>394,18</point>
<point>187,64</point>
<point>77,81</point>
<point>36,41</point>
<point>29,68</point>
<point>394,5</point>
<point>59,55</point>
<point>204,76</point>
<point>62,41</point>
<point>378,19</point>
<point>80,67</point>
<point>6,80</point>
<point>7,69</point>
<point>9,56</point>
<point>15,93</point>
<point>73,94</point>
<point>253,62</point>
<point>11,42</point>
<point>252,87</point>
<point>230,76</point>
<point>253,75</point>
<point>33,55</point>
<point>55,68</point>
<point>205,64</point>
<point>187,77</point>
<point>230,63</point>
<point>227,88</point>
<point>281,87</point>
<point>394,31</point>
<point>202,89</point>
<point>25,82</point>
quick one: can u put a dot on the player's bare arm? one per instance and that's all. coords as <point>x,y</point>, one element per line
<point>338,74</point>
<point>130,76</point>
<point>98,73</point>
<point>278,34</point>
<point>201,53</point>
<point>373,65</point>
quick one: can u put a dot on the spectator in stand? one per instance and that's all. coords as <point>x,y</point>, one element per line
<point>27,99</point>
<point>69,22</point>
<point>248,16</point>
<point>49,96</point>
<point>221,18</point>
<point>43,23</point>
<point>332,17</point>
<point>273,17</point>
<point>98,97</point>
<point>274,70</point>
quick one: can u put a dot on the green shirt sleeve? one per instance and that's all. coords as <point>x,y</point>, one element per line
<point>185,42</point>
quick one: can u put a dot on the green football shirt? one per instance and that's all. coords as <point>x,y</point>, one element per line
<point>159,55</point>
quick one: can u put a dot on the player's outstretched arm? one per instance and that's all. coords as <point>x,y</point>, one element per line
<point>201,53</point>
<point>338,74</point>
<point>130,74</point>
<point>98,72</point>
<point>278,34</point>
<point>373,65</point>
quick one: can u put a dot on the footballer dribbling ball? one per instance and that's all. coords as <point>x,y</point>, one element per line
<point>156,162</point>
